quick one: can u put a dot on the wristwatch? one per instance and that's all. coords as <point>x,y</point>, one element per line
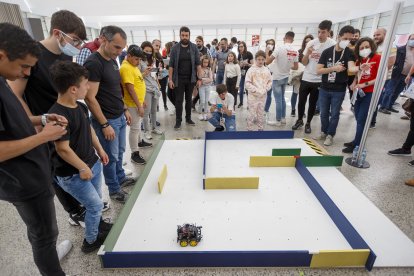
<point>367,83</point>
<point>44,119</point>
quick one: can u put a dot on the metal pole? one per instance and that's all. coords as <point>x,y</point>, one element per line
<point>379,83</point>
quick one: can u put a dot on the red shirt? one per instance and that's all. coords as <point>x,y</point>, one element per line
<point>370,74</point>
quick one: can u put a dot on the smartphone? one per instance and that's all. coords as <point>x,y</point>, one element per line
<point>219,106</point>
<point>154,69</point>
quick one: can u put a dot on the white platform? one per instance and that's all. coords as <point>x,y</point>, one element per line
<point>283,214</point>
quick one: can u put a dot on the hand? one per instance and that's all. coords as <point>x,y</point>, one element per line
<point>407,80</point>
<point>52,132</point>
<point>86,174</point>
<point>144,105</point>
<point>140,111</point>
<point>58,119</point>
<point>128,117</point>
<point>147,71</point>
<point>360,86</point>
<point>366,66</point>
<point>104,157</point>
<point>310,50</point>
<point>352,86</point>
<point>171,84</point>
<point>109,133</point>
<point>339,68</point>
<point>199,83</point>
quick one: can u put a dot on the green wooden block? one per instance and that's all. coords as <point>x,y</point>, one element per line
<point>322,161</point>
<point>286,152</point>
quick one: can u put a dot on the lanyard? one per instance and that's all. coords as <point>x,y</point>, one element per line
<point>333,57</point>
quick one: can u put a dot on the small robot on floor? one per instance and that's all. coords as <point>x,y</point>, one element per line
<point>189,234</point>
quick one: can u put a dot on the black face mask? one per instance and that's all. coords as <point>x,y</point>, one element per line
<point>184,41</point>
<point>353,42</point>
<point>149,56</point>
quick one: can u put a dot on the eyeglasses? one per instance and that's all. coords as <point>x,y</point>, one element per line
<point>73,40</point>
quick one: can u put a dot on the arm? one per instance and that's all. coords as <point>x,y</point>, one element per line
<point>98,147</point>
<point>269,58</point>
<point>248,83</point>
<point>323,71</point>
<point>67,154</point>
<point>269,82</point>
<point>225,74</point>
<point>408,78</point>
<point>18,86</point>
<point>308,50</point>
<point>295,65</point>
<point>352,68</point>
<point>214,65</point>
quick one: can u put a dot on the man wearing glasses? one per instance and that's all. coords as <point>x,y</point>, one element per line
<point>36,92</point>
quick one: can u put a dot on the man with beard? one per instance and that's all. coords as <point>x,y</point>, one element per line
<point>220,59</point>
<point>183,68</point>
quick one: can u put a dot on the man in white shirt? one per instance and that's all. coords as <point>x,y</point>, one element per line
<point>311,80</point>
<point>284,58</point>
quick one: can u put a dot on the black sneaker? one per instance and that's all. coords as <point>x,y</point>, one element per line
<point>144,144</point>
<point>400,152</point>
<point>157,123</point>
<point>137,158</point>
<point>240,105</point>
<point>190,122</point>
<point>317,113</point>
<point>308,128</point>
<point>393,110</point>
<point>349,144</point>
<point>385,111</point>
<point>78,219</point>
<point>105,225</point>
<point>177,126</point>
<point>128,181</point>
<point>372,125</point>
<point>349,149</point>
<point>90,247</point>
<point>120,196</point>
<point>106,206</point>
<point>219,128</point>
<point>297,125</point>
<point>411,163</point>
<point>165,108</point>
<point>293,113</point>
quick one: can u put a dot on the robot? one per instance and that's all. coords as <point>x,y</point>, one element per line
<point>189,234</point>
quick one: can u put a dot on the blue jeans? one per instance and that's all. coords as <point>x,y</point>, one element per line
<point>279,87</point>
<point>88,193</point>
<point>330,104</point>
<point>374,116</point>
<point>392,90</point>
<point>113,172</point>
<point>268,100</point>
<point>219,77</point>
<point>293,100</point>
<point>361,112</point>
<point>230,121</point>
<point>241,88</point>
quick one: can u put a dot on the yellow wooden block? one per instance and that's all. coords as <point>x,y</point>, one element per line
<point>231,183</point>
<point>272,161</point>
<point>340,258</point>
<point>162,178</point>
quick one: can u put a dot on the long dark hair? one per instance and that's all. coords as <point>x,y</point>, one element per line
<point>304,41</point>
<point>371,44</point>
<point>144,44</point>
<point>245,48</point>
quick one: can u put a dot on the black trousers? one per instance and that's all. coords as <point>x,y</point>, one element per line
<point>409,141</point>
<point>171,95</point>
<point>39,216</point>
<point>183,90</point>
<point>231,87</point>
<point>164,83</point>
<point>306,89</point>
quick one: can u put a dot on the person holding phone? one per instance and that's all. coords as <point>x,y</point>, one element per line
<point>222,110</point>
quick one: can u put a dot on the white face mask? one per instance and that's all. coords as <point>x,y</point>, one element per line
<point>410,43</point>
<point>270,47</point>
<point>343,44</point>
<point>364,53</point>
<point>69,49</point>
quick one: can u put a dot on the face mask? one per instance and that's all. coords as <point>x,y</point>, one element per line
<point>353,42</point>
<point>270,47</point>
<point>410,43</point>
<point>69,49</point>
<point>148,55</point>
<point>364,53</point>
<point>343,44</point>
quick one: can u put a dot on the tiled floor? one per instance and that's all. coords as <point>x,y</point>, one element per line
<point>383,184</point>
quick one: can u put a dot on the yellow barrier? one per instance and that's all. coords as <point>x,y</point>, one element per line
<point>231,183</point>
<point>340,258</point>
<point>272,161</point>
<point>162,178</point>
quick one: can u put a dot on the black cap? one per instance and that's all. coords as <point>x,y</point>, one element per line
<point>136,51</point>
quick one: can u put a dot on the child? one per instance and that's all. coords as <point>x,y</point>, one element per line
<point>258,82</point>
<point>232,75</point>
<point>204,90</point>
<point>78,169</point>
<point>222,110</point>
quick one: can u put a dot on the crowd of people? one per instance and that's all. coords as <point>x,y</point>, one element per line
<point>62,123</point>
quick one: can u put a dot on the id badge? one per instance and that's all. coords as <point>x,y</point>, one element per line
<point>243,72</point>
<point>331,77</point>
<point>222,123</point>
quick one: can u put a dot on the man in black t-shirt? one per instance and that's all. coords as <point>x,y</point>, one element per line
<point>25,170</point>
<point>109,114</point>
<point>333,65</point>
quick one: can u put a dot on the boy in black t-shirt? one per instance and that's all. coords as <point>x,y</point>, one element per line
<point>78,169</point>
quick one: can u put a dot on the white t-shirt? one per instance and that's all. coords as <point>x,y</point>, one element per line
<point>285,56</point>
<point>228,101</point>
<point>310,74</point>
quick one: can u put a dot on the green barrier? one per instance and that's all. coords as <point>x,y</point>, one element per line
<point>286,152</point>
<point>322,161</point>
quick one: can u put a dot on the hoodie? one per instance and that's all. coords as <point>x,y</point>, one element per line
<point>258,81</point>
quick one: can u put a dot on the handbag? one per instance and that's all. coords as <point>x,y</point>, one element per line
<point>407,105</point>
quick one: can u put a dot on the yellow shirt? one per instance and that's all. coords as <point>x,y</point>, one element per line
<point>131,74</point>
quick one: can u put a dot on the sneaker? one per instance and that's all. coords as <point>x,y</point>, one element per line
<point>157,131</point>
<point>293,113</point>
<point>275,123</point>
<point>321,136</point>
<point>128,181</point>
<point>63,249</point>
<point>411,163</point>
<point>308,128</point>
<point>165,108</point>
<point>205,117</point>
<point>137,158</point>
<point>283,121</point>
<point>177,126</point>
<point>144,144</point>
<point>124,163</point>
<point>78,219</point>
<point>372,126</point>
<point>349,144</point>
<point>157,123</point>
<point>189,122</point>
<point>328,140</point>
<point>405,117</point>
<point>400,152</point>
<point>385,111</point>
<point>349,149</point>
<point>201,117</point>
<point>120,196</point>
<point>106,206</point>
<point>317,113</point>
<point>219,128</point>
<point>147,135</point>
<point>240,105</point>
<point>297,125</point>
<point>393,110</point>
<point>90,247</point>
<point>105,225</point>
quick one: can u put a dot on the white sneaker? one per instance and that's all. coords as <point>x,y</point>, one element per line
<point>328,141</point>
<point>157,131</point>
<point>274,123</point>
<point>201,117</point>
<point>63,249</point>
<point>321,136</point>
<point>283,121</point>
<point>127,171</point>
<point>205,117</point>
<point>147,135</point>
